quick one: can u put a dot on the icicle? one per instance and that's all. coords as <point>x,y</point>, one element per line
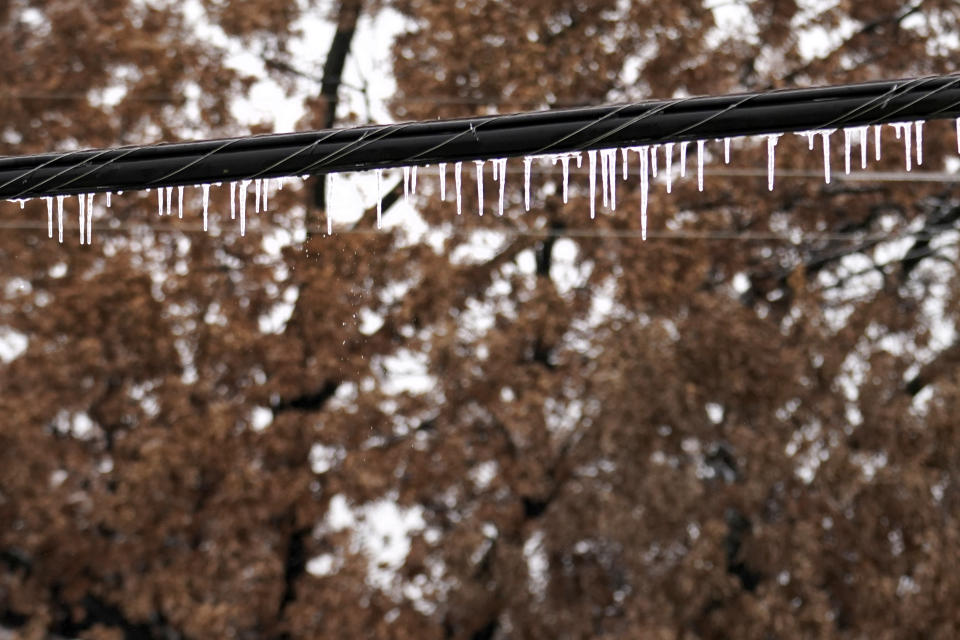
<point>266,194</point>
<point>256,198</point>
<point>896,128</point>
<point>810,136</point>
<point>160,201</point>
<point>605,178</point>
<point>502,173</point>
<point>496,169</point>
<point>644,190</point>
<point>108,199</point>
<point>89,218</point>
<point>243,205</point>
<point>83,227</point>
<point>443,181</point>
<point>564,160</point>
<point>846,150</point>
<point>180,202</point>
<point>329,212</point>
<point>771,159</point>
<point>612,158</point>
<point>379,173</point>
<point>902,128</point>
<point>653,160</point>
<point>22,202</point>
<point>700,144</point>
<point>206,203</point>
<point>726,151</point>
<point>683,158</point>
<point>479,164</point>
<point>233,200</point>
<point>825,135</point>
<point>863,131</point>
<point>456,176</point>
<point>918,127</point>
<point>49,216</point>
<point>957,123</point>
<point>592,154</point>
<point>169,198</point>
<point>527,163</point>
<point>624,153</point>
<point>876,141</point>
<point>280,183</point>
<point>668,152</point>
<point>60,217</point>
<point>406,184</point>
<point>413,180</point>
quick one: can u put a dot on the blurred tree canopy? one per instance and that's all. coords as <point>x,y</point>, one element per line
<point>742,428</point>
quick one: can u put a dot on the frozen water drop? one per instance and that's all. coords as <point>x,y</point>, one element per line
<point>457,168</point>
<point>700,144</point>
<point>479,165</point>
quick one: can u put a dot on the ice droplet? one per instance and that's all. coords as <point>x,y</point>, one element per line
<point>918,127</point>
<point>233,200</point>
<point>501,165</point>
<point>592,154</point>
<point>726,151</point>
<point>60,218</point>
<point>83,227</point>
<point>379,173</point>
<point>683,158</point>
<point>443,181</point>
<point>457,179</point>
<point>89,218</point>
<point>479,164</point>
<point>169,198</point>
<point>160,201</point>
<point>527,163</point>
<point>49,216</point>
<point>206,203</point>
<point>644,191</point>
<point>877,129</point>
<point>847,134</point>
<point>180,202</point>
<point>700,144</point>
<point>243,206</point>
<point>771,159</point>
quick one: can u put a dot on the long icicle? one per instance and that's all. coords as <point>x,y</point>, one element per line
<point>771,159</point>
<point>233,200</point>
<point>527,162</point>
<point>243,205</point>
<point>60,218</point>
<point>644,190</point>
<point>502,172</point>
<point>479,164</point>
<point>918,127</point>
<point>49,216</point>
<point>160,201</point>
<point>825,136</point>
<point>592,155</point>
<point>683,158</point>
<point>457,169</point>
<point>877,130</point>
<point>380,198</point>
<point>180,202</point>
<point>89,218</point>
<point>83,226</point>
<point>443,181</point>
<point>700,144</point>
<point>847,144</point>
<point>206,203</point>
<point>668,152</point>
<point>168,196</point>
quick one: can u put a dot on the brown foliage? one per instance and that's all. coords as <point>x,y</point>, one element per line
<point>700,437</point>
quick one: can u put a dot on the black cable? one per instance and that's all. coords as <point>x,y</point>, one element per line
<point>478,138</point>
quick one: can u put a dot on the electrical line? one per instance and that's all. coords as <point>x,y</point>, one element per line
<point>479,138</point>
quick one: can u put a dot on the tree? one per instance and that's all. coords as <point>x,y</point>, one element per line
<point>700,436</point>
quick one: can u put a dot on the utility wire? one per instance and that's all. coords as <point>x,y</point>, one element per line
<point>479,138</point>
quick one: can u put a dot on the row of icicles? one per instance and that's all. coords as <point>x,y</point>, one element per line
<point>910,132</point>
